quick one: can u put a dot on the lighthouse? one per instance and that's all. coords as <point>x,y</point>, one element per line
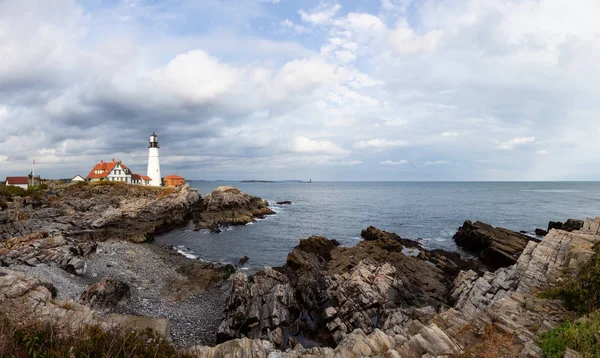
<point>153,163</point>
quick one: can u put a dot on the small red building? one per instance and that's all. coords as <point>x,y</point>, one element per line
<point>22,182</point>
<point>173,180</point>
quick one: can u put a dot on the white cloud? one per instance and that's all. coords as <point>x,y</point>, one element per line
<point>361,23</point>
<point>3,159</point>
<point>391,162</point>
<point>542,152</point>
<point>437,162</point>
<point>392,123</point>
<point>344,162</point>
<point>515,142</point>
<point>196,76</point>
<point>406,42</point>
<point>306,145</point>
<point>380,143</point>
<point>449,134</point>
<point>321,15</point>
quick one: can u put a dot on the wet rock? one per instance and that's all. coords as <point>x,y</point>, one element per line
<point>572,225</point>
<point>285,202</point>
<point>107,293</point>
<point>541,232</point>
<point>496,247</point>
<point>373,233</point>
<point>557,225</point>
<point>243,260</point>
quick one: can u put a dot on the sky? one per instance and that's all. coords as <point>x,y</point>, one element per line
<point>319,89</point>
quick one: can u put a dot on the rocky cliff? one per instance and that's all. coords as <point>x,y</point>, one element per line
<point>102,211</point>
<point>64,225</point>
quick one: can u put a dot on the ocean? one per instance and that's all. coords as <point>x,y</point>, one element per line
<point>428,211</point>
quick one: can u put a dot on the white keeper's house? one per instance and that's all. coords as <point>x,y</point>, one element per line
<point>116,171</point>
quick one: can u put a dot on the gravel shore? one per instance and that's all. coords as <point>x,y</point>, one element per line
<point>149,270</point>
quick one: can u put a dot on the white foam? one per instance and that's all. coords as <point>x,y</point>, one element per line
<point>183,251</point>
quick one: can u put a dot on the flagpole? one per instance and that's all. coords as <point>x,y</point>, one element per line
<point>33,173</point>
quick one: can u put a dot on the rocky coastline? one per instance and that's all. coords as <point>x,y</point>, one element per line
<point>82,255</point>
<point>91,245</point>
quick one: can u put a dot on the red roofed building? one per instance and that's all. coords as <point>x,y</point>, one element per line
<point>21,182</point>
<point>173,180</point>
<point>111,171</point>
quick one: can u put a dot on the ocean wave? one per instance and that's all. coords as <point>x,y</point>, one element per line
<point>182,250</point>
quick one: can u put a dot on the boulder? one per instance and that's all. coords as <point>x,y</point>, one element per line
<point>557,225</point>
<point>227,205</point>
<point>285,202</point>
<point>541,232</point>
<point>106,294</point>
<point>569,225</point>
<point>496,247</point>
<point>572,225</point>
<point>243,260</point>
<point>373,233</point>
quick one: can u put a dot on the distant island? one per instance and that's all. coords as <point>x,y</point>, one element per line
<point>273,181</point>
<point>257,181</point>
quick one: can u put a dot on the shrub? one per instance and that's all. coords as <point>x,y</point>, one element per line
<point>582,335</point>
<point>9,190</point>
<point>93,341</point>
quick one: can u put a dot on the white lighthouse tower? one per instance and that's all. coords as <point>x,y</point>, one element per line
<point>153,163</point>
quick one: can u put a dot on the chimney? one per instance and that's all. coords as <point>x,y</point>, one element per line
<point>101,161</point>
<point>113,160</point>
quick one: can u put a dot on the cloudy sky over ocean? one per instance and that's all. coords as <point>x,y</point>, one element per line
<point>282,89</point>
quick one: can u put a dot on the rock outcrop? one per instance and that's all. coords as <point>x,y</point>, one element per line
<point>38,247</point>
<point>570,225</point>
<point>496,247</point>
<point>106,294</point>
<point>227,205</point>
<point>325,292</point>
<point>103,211</point>
<point>359,296</point>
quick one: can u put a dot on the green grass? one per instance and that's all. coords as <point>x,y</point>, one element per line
<point>93,341</point>
<point>582,335</point>
<point>580,293</point>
